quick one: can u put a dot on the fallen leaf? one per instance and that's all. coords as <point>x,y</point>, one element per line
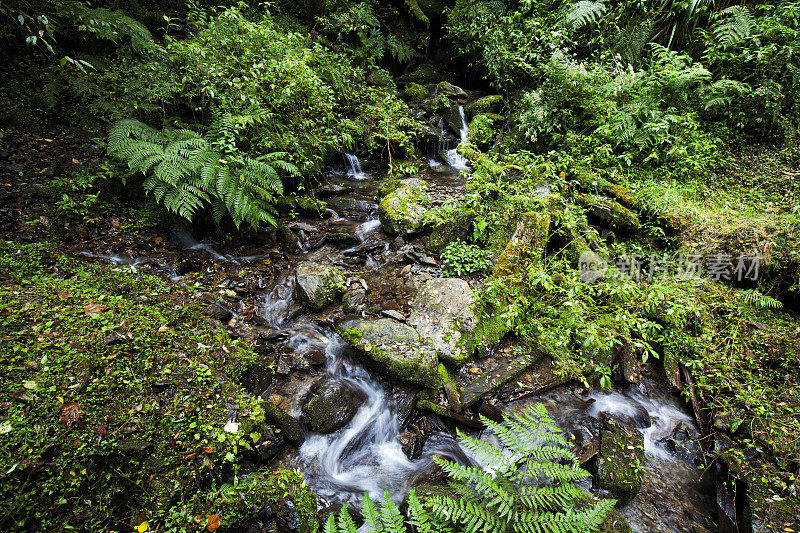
<point>76,161</point>
<point>163,329</point>
<point>30,385</point>
<point>213,522</point>
<point>141,528</point>
<point>70,413</point>
<point>159,240</point>
<point>63,295</point>
<point>5,427</point>
<point>94,309</point>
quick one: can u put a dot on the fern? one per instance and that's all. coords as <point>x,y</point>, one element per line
<point>755,298</point>
<point>109,25</point>
<point>581,13</point>
<point>187,172</point>
<point>531,488</point>
<point>734,24</point>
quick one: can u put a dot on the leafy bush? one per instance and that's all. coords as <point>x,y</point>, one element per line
<point>528,486</point>
<point>461,258</point>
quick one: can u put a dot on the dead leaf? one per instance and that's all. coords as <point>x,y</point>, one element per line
<point>30,385</point>
<point>76,161</point>
<point>159,240</point>
<point>94,309</point>
<point>70,413</point>
<point>163,329</point>
<point>63,295</point>
<point>213,522</point>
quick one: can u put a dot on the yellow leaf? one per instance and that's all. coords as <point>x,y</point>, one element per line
<point>30,385</point>
<point>60,399</point>
<point>163,329</point>
<point>141,528</point>
<point>76,161</point>
<point>159,240</point>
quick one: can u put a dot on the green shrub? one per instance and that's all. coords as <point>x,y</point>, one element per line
<point>460,258</point>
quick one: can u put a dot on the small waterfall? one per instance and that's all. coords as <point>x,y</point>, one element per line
<point>367,228</point>
<point>353,165</point>
<point>453,158</point>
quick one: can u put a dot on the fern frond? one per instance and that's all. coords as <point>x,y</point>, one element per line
<point>734,24</point>
<point>581,13</point>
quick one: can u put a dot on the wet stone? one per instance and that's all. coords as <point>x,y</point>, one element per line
<point>353,300</point>
<point>217,312</point>
<point>318,285</point>
<point>621,462</point>
<point>330,404</point>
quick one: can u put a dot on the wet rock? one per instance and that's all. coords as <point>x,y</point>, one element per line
<point>326,191</point>
<point>217,312</point>
<point>450,388</point>
<point>615,523</point>
<point>487,104</point>
<point>257,378</point>
<point>290,427</point>
<point>452,117</point>
<point>353,300</point>
<point>318,285</point>
<point>621,462</point>
<point>330,404</point>
<point>392,348</point>
<point>341,238</point>
<point>302,226</point>
<point>447,231</point>
<point>401,212</point>
<point>672,369</point>
<point>350,205</point>
<point>288,240</point>
<point>442,313</point>
<point>449,90</point>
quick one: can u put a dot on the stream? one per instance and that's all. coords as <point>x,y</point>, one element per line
<point>369,453</point>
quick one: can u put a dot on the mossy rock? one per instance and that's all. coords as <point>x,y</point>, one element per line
<point>615,523</point>
<point>425,73</point>
<point>392,348</point>
<point>330,404</point>
<point>318,285</point>
<point>290,426</point>
<point>442,313</point>
<point>402,211</point>
<point>380,78</point>
<point>609,211</point>
<point>417,13</point>
<point>455,228</point>
<point>452,117</point>
<point>527,244</point>
<point>621,462</point>
<point>416,93</point>
<point>487,104</point>
<point>451,91</point>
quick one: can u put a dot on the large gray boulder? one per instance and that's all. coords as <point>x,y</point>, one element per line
<point>442,313</point>
<point>401,212</point>
<point>392,348</point>
<point>318,285</point>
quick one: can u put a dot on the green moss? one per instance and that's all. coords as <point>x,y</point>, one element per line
<point>621,463</point>
<point>263,488</point>
<point>416,93</point>
<point>403,210</point>
<point>146,379</point>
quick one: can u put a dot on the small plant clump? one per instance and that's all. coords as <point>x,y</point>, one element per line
<point>461,259</point>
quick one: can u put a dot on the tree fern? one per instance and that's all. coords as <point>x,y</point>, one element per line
<point>187,173</point>
<point>528,487</point>
<point>733,25</point>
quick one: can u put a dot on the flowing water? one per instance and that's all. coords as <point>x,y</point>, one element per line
<point>353,166</point>
<point>452,157</point>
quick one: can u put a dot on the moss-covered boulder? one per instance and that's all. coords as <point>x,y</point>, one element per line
<point>416,93</point>
<point>609,211</point>
<point>527,244</point>
<point>452,117</point>
<point>425,73</point>
<point>487,104</point>
<point>454,228</point>
<point>380,78</point>
<point>330,404</point>
<point>620,464</point>
<point>392,348</point>
<point>289,425</point>
<point>402,211</point>
<point>442,313</point>
<point>318,285</point>
<point>449,90</point>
